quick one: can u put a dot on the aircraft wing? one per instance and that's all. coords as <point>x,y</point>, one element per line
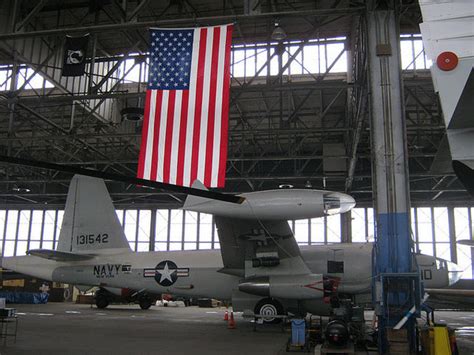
<point>258,247</point>
<point>59,255</point>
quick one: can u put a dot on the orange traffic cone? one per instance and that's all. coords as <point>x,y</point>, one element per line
<point>231,323</point>
<point>226,315</point>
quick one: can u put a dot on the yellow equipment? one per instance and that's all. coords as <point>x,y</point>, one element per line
<point>437,340</point>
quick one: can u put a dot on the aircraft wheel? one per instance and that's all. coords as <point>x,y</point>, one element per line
<point>101,301</point>
<point>269,307</point>
<point>145,302</point>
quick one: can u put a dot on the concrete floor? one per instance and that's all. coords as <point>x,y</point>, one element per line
<point>65,328</point>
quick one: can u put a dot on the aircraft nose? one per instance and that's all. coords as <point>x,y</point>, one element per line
<point>347,203</point>
<point>337,202</point>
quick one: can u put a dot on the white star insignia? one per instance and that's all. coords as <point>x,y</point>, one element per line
<point>166,274</point>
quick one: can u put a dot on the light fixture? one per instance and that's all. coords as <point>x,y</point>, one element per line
<point>132,113</point>
<point>285,186</point>
<point>278,33</point>
<point>308,184</point>
<point>20,189</point>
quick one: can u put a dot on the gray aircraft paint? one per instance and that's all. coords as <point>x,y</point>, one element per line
<point>282,204</point>
<point>204,280</point>
<point>111,263</point>
<point>90,224</point>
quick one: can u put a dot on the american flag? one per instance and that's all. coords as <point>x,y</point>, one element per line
<point>184,134</point>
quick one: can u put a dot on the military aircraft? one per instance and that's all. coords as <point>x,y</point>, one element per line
<point>260,267</point>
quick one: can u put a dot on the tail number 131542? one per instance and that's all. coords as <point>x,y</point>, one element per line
<point>92,239</point>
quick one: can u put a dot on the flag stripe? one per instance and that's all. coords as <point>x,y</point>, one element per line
<point>205,106</point>
<point>182,139</point>
<point>162,134</point>
<point>225,110</point>
<point>212,107</point>
<point>198,103</point>
<point>191,110</point>
<point>156,129</point>
<point>169,135</point>
<point>218,110</point>
<point>175,136</point>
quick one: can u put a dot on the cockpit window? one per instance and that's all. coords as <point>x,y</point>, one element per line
<point>332,205</point>
<point>441,264</point>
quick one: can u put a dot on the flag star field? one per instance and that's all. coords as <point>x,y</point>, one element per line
<point>171,61</point>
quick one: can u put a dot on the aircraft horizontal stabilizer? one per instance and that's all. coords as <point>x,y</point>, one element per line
<point>59,255</point>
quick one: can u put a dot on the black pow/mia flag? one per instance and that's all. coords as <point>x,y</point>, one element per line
<point>74,62</point>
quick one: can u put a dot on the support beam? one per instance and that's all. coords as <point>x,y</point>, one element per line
<point>389,168</point>
<point>388,132</point>
<point>346,227</point>
<point>32,14</point>
<point>139,7</point>
<point>181,21</point>
<point>452,235</point>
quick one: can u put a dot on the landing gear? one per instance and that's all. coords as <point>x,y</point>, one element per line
<point>145,302</point>
<point>269,307</point>
<point>104,297</point>
<point>101,299</point>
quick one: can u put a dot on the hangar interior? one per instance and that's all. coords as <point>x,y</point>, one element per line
<point>299,117</point>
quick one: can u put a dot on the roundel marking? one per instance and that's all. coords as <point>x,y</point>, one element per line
<point>166,273</point>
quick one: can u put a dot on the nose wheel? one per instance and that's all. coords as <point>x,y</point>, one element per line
<point>269,308</point>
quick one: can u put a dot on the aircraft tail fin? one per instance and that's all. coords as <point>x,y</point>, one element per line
<point>90,224</point>
<point>192,200</point>
<point>199,185</point>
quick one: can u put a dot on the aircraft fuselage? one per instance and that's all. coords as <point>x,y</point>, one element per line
<point>196,273</point>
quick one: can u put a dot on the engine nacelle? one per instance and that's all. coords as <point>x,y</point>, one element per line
<point>308,286</point>
<point>274,205</point>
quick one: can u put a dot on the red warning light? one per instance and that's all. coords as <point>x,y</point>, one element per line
<point>447,61</point>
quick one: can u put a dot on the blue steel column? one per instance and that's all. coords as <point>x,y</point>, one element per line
<point>388,139</point>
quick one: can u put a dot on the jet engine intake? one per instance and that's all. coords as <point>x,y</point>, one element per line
<point>308,286</point>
